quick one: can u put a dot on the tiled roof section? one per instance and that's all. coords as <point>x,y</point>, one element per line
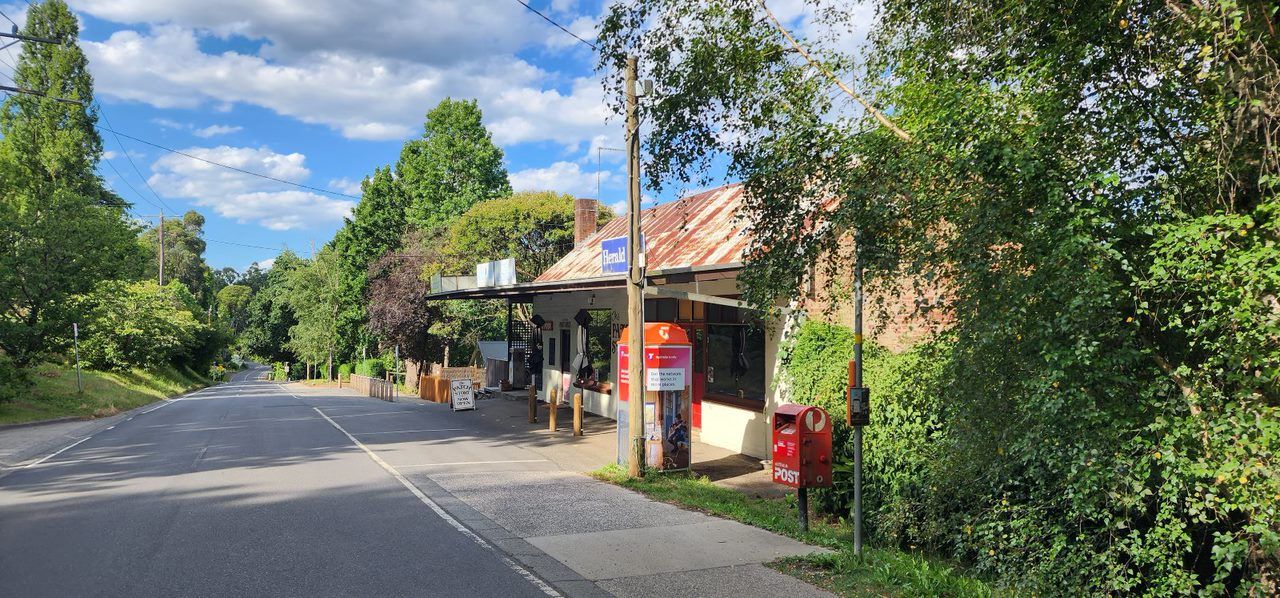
<point>697,230</point>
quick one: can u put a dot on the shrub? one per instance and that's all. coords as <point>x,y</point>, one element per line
<point>13,379</point>
<point>373,367</point>
<point>142,324</point>
<point>344,371</point>
<point>900,445</point>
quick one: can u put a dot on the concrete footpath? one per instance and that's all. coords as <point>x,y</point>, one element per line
<point>521,487</point>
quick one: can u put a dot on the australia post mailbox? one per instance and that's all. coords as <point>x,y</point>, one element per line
<point>802,446</point>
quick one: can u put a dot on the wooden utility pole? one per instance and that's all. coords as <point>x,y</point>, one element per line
<point>635,282</point>
<point>161,239</point>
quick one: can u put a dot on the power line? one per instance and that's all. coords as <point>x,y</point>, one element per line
<point>125,151</point>
<point>228,167</point>
<point>243,245</point>
<point>561,27</point>
<point>127,184</point>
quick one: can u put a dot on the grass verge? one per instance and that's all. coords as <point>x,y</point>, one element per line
<point>878,572</point>
<point>53,393</point>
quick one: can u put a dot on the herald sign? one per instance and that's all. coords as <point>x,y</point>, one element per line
<point>613,255</point>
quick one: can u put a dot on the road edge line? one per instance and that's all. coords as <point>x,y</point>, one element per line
<point>523,572</point>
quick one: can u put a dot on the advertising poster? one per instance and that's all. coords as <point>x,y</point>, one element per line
<point>667,407</point>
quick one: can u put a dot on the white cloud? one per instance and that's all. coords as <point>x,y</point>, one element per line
<point>108,155</point>
<point>266,264</point>
<point>214,130</point>
<point>246,198</point>
<point>424,31</point>
<point>563,177</point>
<point>345,185</point>
<point>166,123</point>
<point>375,83</point>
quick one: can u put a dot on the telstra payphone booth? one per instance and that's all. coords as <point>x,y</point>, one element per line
<point>668,362</point>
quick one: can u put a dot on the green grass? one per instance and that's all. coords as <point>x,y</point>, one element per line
<point>878,572</point>
<point>53,393</point>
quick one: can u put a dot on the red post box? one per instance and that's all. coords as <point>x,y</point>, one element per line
<point>802,446</point>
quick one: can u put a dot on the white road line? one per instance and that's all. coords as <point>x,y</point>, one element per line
<point>412,431</point>
<point>56,453</point>
<point>525,573</point>
<point>398,412</point>
<point>476,462</point>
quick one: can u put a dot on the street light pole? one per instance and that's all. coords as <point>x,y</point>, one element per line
<point>635,282</point>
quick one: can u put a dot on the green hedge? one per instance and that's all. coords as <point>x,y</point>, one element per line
<point>373,368</point>
<point>902,442</point>
<point>344,371</point>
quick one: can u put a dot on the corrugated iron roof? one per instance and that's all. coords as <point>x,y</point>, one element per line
<point>696,231</point>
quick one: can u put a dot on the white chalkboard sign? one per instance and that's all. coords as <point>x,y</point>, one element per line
<point>461,394</point>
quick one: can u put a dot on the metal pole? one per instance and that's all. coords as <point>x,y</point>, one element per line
<point>857,373</point>
<point>635,282</point>
<point>802,501</point>
<point>75,335</point>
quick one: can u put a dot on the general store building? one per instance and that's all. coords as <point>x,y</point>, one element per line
<point>695,249</point>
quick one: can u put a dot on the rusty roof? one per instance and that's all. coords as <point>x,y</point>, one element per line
<point>700,230</point>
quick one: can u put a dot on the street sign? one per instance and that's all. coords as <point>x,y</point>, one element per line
<point>461,394</point>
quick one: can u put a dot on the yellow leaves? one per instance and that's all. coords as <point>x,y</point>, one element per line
<point>991,552</point>
<point>1244,479</point>
<point>968,529</point>
<point>1128,320</point>
<point>999,450</point>
<point>1124,23</point>
<point>1056,384</point>
<point>1004,502</point>
<point>1158,454</point>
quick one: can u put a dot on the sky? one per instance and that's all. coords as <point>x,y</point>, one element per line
<point>322,92</point>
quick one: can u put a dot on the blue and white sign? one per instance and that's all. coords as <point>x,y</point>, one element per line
<point>613,255</point>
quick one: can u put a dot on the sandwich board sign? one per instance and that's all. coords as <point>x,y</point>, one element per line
<point>461,394</point>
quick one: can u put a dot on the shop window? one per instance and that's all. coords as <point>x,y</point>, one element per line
<point>686,310</point>
<point>660,310</point>
<point>600,343</point>
<point>735,356</point>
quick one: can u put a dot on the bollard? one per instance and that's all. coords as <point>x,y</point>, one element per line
<point>551,408</point>
<point>577,414</point>
<point>533,404</point>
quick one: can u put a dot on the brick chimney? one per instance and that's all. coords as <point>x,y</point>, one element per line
<point>584,220</point>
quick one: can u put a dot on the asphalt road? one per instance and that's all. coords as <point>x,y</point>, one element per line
<point>243,489</point>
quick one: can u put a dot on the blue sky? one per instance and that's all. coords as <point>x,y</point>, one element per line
<point>322,92</point>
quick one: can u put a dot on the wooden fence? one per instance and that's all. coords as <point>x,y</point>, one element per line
<point>374,387</point>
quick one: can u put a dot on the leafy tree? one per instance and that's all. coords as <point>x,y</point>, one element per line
<point>61,230</point>
<point>399,312</point>
<point>452,167</point>
<point>1095,187</point>
<point>140,325</point>
<point>374,229</point>
<point>270,316</point>
<point>315,297</point>
<point>535,228</point>
<point>233,304</point>
<point>222,278</point>
<point>253,277</point>
<point>183,254</point>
